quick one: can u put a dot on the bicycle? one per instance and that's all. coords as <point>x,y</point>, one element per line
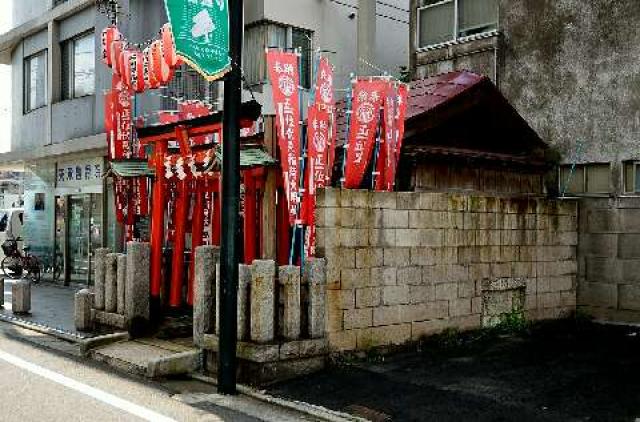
<point>18,264</point>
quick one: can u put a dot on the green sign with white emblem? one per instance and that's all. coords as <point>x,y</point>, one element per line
<point>201,33</point>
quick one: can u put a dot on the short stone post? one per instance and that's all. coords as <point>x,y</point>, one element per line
<point>206,258</point>
<point>1,292</point>
<point>98,283</point>
<point>21,297</point>
<point>244,281</point>
<point>110,282</point>
<point>83,315</point>
<point>136,309</point>
<point>289,277</point>
<point>263,301</point>
<point>121,283</point>
<point>315,274</point>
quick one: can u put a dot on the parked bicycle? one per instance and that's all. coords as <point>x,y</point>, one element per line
<point>20,264</point>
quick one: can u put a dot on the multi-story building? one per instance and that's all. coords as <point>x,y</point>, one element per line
<point>58,83</point>
<point>571,70</point>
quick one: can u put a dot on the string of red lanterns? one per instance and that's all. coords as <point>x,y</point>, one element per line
<point>140,70</point>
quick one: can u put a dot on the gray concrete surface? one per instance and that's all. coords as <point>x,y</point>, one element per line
<point>66,389</point>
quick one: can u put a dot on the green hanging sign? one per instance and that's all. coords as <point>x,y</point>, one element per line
<point>201,33</point>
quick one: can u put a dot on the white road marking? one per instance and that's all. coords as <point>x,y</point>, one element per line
<point>103,396</point>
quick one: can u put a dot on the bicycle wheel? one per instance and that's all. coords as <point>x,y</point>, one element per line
<point>12,267</point>
<point>33,267</point>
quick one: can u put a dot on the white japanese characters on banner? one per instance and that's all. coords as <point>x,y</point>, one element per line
<point>284,77</point>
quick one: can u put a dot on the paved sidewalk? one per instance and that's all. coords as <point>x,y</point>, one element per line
<point>52,306</point>
<point>558,372</point>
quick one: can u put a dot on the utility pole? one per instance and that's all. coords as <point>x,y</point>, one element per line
<point>229,256</point>
<point>366,36</point>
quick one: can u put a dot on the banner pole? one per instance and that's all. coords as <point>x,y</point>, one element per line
<point>229,252</point>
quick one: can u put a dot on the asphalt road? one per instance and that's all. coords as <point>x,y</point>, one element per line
<point>39,384</point>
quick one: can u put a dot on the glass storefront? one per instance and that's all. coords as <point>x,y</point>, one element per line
<point>74,216</point>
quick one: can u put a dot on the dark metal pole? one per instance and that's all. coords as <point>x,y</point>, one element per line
<point>229,253</point>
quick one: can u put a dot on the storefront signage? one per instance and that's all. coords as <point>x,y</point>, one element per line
<point>81,172</point>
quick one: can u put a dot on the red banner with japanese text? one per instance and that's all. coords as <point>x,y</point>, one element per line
<point>386,161</point>
<point>317,167</point>
<point>284,77</point>
<point>122,124</point>
<point>368,97</point>
<point>401,114</point>
<point>397,134</point>
<point>325,97</point>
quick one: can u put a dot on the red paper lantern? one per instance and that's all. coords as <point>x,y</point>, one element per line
<point>109,35</point>
<point>168,46</point>
<point>149,75</point>
<point>114,52</point>
<point>135,71</point>
<point>124,68</point>
<point>163,73</point>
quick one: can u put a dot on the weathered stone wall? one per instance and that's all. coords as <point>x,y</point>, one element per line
<point>609,259</point>
<point>404,265</point>
<point>569,67</point>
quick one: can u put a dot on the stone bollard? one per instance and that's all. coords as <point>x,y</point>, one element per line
<point>98,283</point>
<point>136,309</point>
<point>289,277</point>
<point>315,276</point>
<point>206,258</point>
<point>263,301</point>
<point>1,292</point>
<point>110,282</point>
<point>21,297</point>
<point>83,305</point>
<point>244,281</point>
<point>121,283</point>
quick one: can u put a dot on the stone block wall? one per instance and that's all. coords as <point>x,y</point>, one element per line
<point>404,265</point>
<point>609,258</point>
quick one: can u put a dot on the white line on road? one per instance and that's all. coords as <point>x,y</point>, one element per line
<point>103,396</point>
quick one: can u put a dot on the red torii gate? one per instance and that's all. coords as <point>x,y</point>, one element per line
<point>160,137</point>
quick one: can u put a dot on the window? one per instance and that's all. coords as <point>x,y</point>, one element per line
<point>441,21</point>
<point>35,81</point>
<point>632,176</point>
<point>78,67</point>
<point>262,36</point>
<point>188,84</point>
<point>585,178</point>
<point>58,2</point>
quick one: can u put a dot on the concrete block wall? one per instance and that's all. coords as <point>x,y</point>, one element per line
<point>404,265</point>
<point>609,258</point>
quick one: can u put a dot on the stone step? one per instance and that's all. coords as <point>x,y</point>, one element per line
<point>150,358</point>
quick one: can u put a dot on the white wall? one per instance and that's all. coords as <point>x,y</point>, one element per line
<point>5,87</point>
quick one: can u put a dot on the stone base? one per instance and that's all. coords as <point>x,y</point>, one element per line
<point>260,364</point>
<point>109,319</point>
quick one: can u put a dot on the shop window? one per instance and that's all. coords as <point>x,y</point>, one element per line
<point>441,21</point>
<point>78,66</point>
<point>259,37</point>
<point>585,178</point>
<point>35,81</point>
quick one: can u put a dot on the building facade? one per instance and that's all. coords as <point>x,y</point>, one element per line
<point>571,70</point>
<point>58,82</point>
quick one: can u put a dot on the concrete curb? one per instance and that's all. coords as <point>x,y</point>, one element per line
<point>85,343</point>
<point>94,342</point>
<point>315,411</point>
